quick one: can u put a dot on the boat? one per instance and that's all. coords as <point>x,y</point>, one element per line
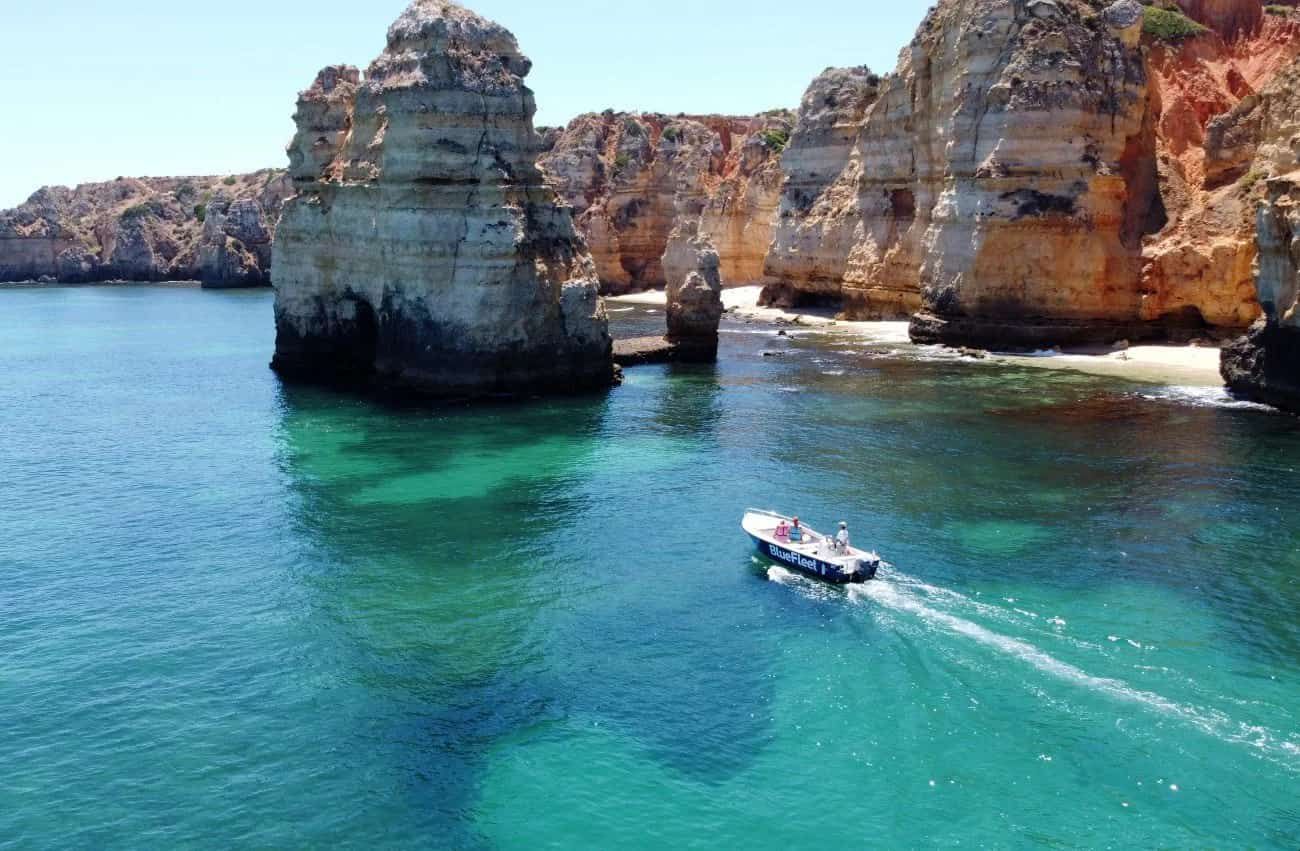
<point>813,556</point>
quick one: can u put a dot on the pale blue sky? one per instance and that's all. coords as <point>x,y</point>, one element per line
<point>93,89</point>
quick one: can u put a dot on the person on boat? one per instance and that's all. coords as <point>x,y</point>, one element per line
<point>842,540</point>
<point>796,532</point>
<point>783,530</point>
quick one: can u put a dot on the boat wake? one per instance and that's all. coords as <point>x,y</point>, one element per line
<point>896,596</point>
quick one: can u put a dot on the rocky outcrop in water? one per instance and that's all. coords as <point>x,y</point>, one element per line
<point>217,230</point>
<point>629,175</point>
<point>424,253</point>
<point>694,293</point>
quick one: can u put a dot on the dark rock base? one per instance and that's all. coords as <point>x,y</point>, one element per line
<point>1264,366</point>
<point>1027,335</point>
<point>354,358</point>
<point>641,351</point>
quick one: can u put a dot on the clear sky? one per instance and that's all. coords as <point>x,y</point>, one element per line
<point>93,89</point>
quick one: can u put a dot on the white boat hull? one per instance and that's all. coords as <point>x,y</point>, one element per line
<point>809,557</point>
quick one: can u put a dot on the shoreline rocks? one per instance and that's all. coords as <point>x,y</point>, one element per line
<point>424,254</point>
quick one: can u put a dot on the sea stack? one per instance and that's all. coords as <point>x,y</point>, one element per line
<point>423,253</point>
<point>694,294</point>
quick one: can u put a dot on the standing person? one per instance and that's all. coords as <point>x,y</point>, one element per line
<point>842,540</point>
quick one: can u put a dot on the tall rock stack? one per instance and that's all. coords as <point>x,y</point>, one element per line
<point>424,253</point>
<point>694,294</point>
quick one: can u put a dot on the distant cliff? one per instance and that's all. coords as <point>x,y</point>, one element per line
<point>217,230</point>
<point>633,177</point>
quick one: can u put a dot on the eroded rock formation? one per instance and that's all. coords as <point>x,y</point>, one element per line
<point>626,176</point>
<point>424,253</point>
<point>217,230</point>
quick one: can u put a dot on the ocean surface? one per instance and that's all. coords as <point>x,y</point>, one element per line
<point>236,614</point>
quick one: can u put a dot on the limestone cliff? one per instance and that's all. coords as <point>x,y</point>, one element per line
<point>1265,365</point>
<point>424,253</point>
<point>821,216</point>
<point>628,176</point>
<point>1034,174</point>
<point>217,230</point>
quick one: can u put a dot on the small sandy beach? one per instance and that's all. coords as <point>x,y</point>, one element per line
<point>1168,364</point>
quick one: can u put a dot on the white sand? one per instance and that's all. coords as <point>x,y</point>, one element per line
<point>1181,365</point>
<point>1196,366</point>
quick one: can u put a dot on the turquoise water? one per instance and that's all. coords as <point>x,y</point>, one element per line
<point>235,614</point>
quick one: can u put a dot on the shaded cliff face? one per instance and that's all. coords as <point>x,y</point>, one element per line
<point>217,230</point>
<point>1265,365</point>
<point>632,178</point>
<point>423,252</point>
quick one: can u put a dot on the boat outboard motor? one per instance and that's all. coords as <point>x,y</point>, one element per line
<point>868,567</point>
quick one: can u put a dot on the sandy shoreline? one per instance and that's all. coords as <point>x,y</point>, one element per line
<point>1168,364</point>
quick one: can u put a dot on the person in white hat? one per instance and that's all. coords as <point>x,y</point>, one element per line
<point>842,541</point>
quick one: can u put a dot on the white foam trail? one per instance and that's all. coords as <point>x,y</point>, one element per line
<point>780,575</point>
<point>1204,397</point>
<point>1209,721</point>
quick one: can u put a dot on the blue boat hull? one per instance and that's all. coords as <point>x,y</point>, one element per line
<point>810,564</point>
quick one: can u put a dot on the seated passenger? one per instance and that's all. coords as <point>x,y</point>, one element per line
<point>796,532</point>
<point>783,530</point>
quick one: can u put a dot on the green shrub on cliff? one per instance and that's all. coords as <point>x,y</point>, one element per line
<point>1169,25</point>
<point>776,139</point>
<point>201,212</point>
<point>142,210</point>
